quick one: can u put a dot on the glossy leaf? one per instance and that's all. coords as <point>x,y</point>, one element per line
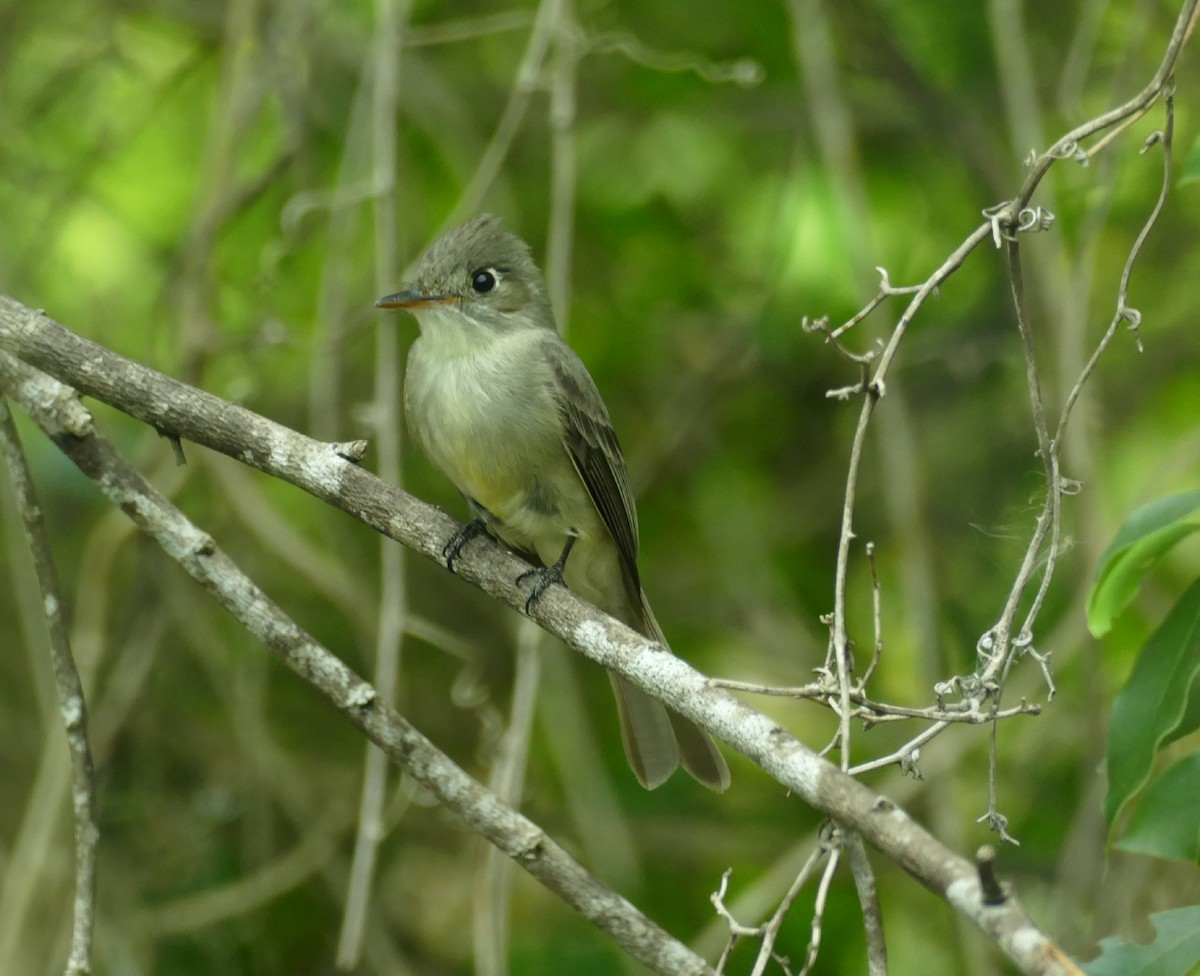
<point>1175,950</point>
<point>1154,702</point>
<point>1141,541</point>
<point>1167,821</point>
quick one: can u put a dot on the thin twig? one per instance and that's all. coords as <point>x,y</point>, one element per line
<point>967,711</point>
<point>493,893</point>
<point>221,189</point>
<point>907,756</point>
<point>839,639</point>
<point>868,899</point>
<point>71,702</point>
<point>876,616</point>
<point>1048,520</point>
<point>1004,223</point>
<point>995,820</point>
<point>769,932</point>
<point>818,918</point>
<point>993,891</point>
<point>886,290</point>
<point>1124,313</point>
<point>736,929</point>
<point>1067,145</point>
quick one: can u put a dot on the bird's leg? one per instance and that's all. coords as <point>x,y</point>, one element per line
<point>546,576</point>
<point>458,541</point>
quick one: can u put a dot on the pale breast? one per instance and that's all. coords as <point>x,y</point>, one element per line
<point>488,419</point>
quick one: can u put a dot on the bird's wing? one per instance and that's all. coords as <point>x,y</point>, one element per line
<point>592,445</point>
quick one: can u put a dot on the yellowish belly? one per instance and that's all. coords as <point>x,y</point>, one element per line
<point>490,423</point>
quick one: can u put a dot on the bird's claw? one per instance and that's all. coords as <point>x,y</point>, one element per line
<point>458,542</point>
<point>543,578</point>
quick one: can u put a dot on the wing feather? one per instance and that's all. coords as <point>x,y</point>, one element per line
<point>596,454</point>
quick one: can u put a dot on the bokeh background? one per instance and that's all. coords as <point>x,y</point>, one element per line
<point>222,190</point>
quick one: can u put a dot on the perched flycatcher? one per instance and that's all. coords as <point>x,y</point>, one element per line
<point>503,406</point>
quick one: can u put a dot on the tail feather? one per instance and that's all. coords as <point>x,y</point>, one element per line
<point>646,733</point>
<point>657,738</point>
<point>699,753</point>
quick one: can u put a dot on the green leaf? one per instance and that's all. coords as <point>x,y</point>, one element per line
<point>1174,951</point>
<point>1190,173</point>
<point>1191,716</point>
<point>1167,821</point>
<point>1139,543</point>
<point>1153,702</point>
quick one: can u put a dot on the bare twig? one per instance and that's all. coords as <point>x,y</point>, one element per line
<point>868,898</point>
<point>995,820</point>
<point>222,189</point>
<point>1037,553</point>
<point>1068,144</point>
<point>71,703</point>
<point>876,616</point>
<point>1124,313</point>
<point>818,918</point>
<point>1004,224</point>
<point>886,291</point>
<point>769,932</point>
<point>873,390</point>
<point>736,929</point>
<point>966,711</point>
<point>597,813</point>
<point>985,861</point>
<point>907,756</point>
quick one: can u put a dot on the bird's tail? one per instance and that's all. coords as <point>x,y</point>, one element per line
<point>656,738</point>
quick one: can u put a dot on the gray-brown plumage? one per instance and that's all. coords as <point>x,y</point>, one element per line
<point>503,406</point>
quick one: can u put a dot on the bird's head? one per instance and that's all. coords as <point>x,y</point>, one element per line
<point>481,271</point>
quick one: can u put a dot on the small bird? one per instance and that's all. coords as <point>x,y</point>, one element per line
<point>508,412</point>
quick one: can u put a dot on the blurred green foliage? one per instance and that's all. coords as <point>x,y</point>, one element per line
<point>193,185</point>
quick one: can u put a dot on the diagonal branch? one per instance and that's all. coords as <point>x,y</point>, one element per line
<point>204,561</point>
<point>177,409</point>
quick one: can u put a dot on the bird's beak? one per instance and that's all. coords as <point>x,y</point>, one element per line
<point>413,298</point>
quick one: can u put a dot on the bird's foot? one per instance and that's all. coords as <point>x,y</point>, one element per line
<point>458,542</point>
<point>543,578</point>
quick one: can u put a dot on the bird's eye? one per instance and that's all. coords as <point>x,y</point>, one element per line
<point>483,281</point>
